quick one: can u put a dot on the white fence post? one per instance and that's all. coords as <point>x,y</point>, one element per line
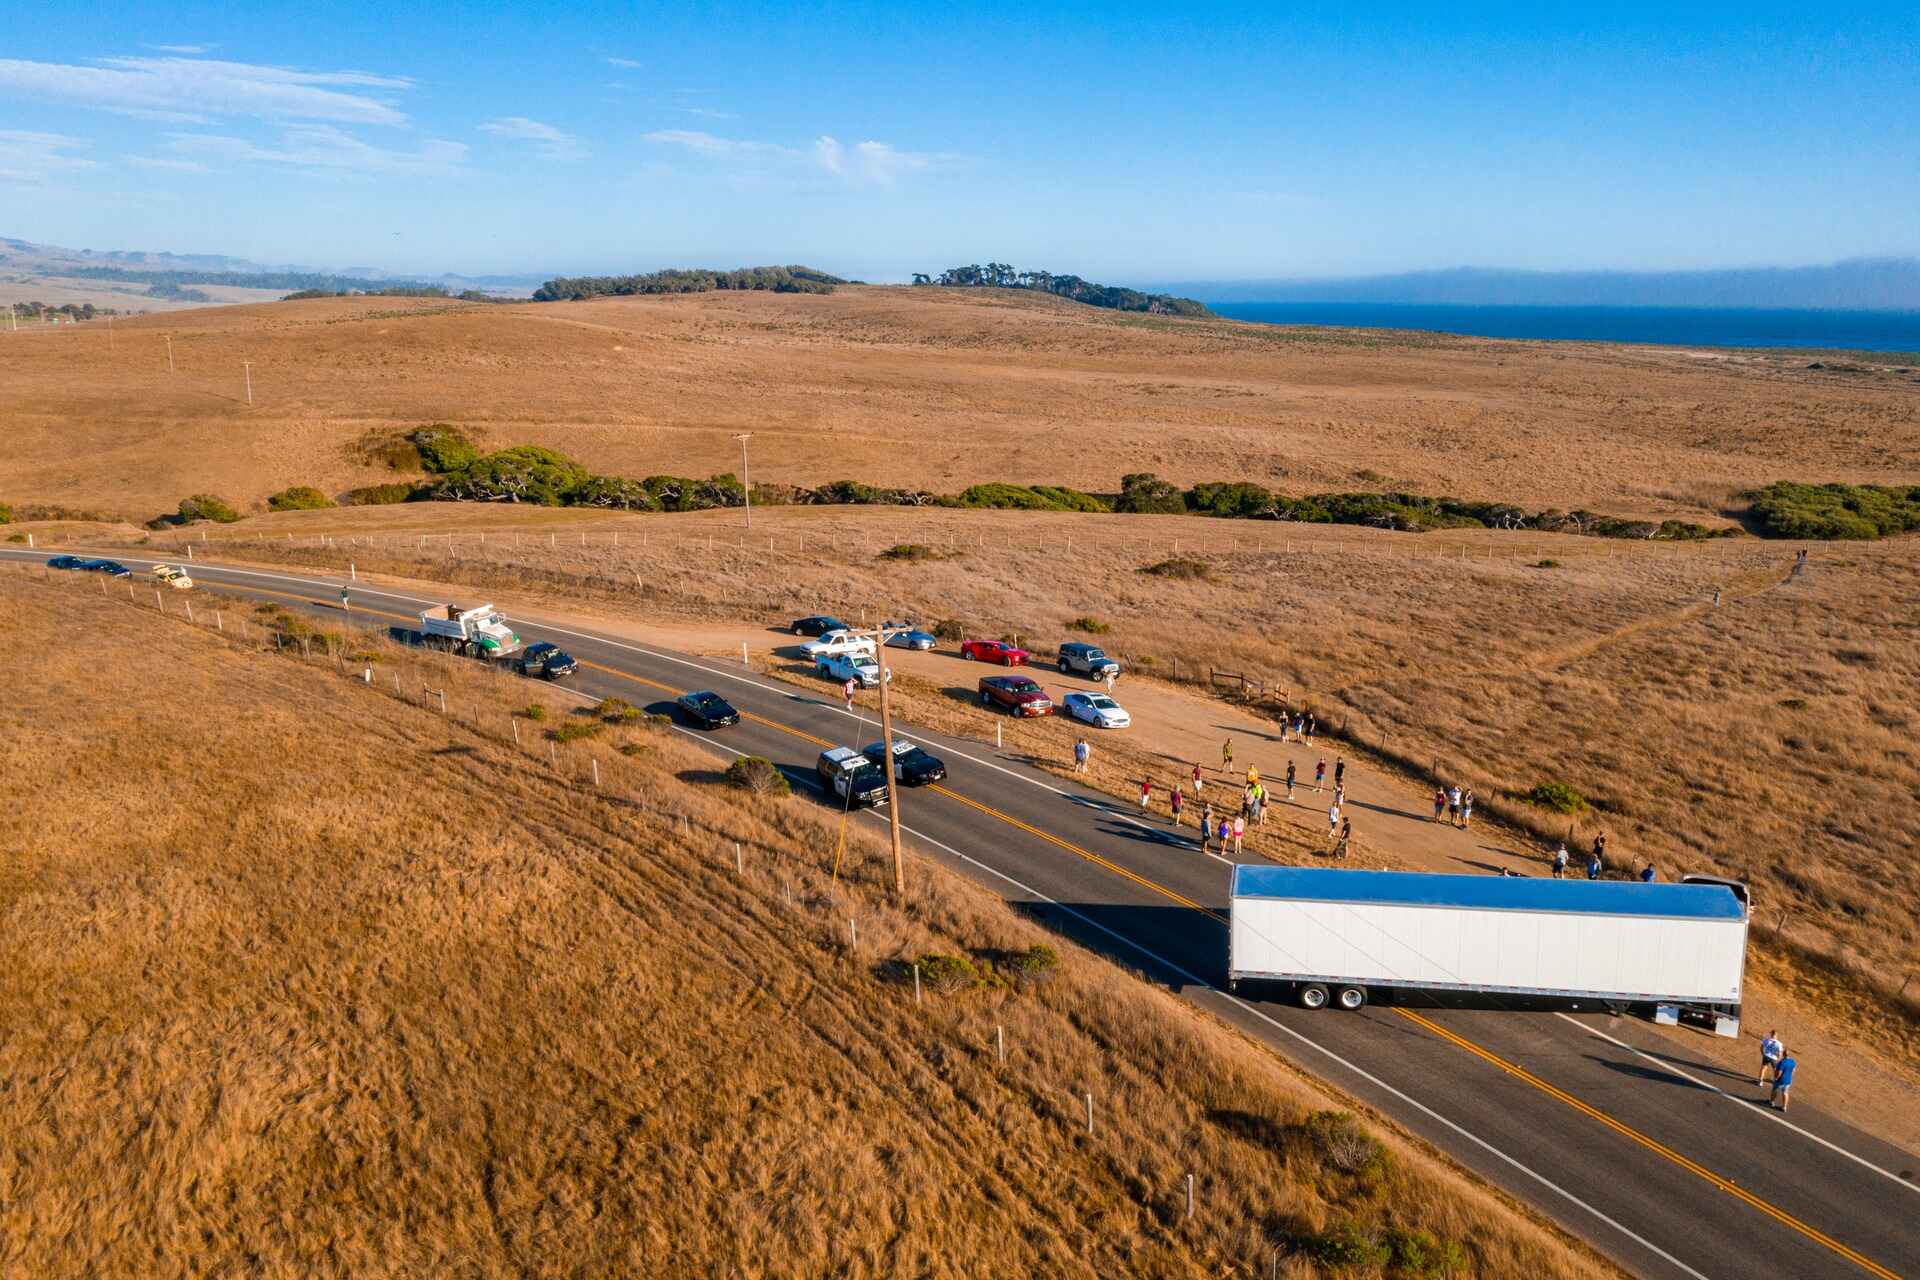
<point>916,982</point>
<point>739,860</point>
<point>1089,1114</point>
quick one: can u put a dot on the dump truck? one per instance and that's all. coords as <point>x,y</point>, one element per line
<point>480,632</point>
<point>1676,951</point>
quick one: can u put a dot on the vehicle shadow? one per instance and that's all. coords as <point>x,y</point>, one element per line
<point>1158,942</point>
<point>1654,1075</point>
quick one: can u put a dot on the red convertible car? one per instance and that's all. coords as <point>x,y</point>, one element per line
<point>994,651</point>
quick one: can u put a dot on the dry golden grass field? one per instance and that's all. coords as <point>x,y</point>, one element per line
<point>931,388</point>
<point>301,977</point>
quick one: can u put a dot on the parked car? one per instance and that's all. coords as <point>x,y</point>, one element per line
<point>544,661</point>
<point>1089,660</point>
<point>909,637</point>
<point>818,625</point>
<point>1096,709</point>
<point>167,575</point>
<point>912,765</point>
<point>851,777</point>
<point>1016,695</point>
<point>112,568</point>
<point>994,651</point>
<point>833,642</point>
<point>851,666</point>
<point>66,562</point>
<point>707,709</point>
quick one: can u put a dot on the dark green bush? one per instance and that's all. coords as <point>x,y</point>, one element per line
<point>6,514</point>
<point>949,629</point>
<point>1546,564</point>
<point>205,506</point>
<point>1829,512</point>
<point>1343,1143</point>
<point>1091,626</point>
<point>574,730</point>
<point>910,551</point>
<point>1034,966</point>
<point>535,711</point>
<point>1232,499</point>
<point>1557,797</point>
<point>299,498</point>
<point>1019,497</point>
<point>1181,568</point>
<point>615,493</point>
<point>443,448</point>
<point>948,974</point>
<point>1143,493</point>
<point>1346,1244</point>
<point>16,537</point>
<point>758,775</point>
<point>524,473</point>
<point>381,495</point>
<point>617,711</point>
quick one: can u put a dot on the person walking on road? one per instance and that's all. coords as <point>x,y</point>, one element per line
<point>1224,831</point>
<point>1310,726</point>
<point>1239,835</point>
<point>1600,850</point>
<point>1648,875</point>
<point>1146,794</point>
<point>1290,775</point>
<point>1593,867</point>
<point>1560,861</point>
<point>1197,780</point>
<point>1439,802</point>
<point>1177,800</point>
<point>1453,805</point>
<point>1333,821</point>
<point>1339,770</point>
<point>1081,754</point>
<point>1771,1051</point>
<point>1783,1080</point>
<point>1339,793</point>
<point>847,689</point>
<point>1319,776</point>
<point>1226,754</point>
<point>1206,830</point>
<point>1346,838</point>
<point>1466,809</point>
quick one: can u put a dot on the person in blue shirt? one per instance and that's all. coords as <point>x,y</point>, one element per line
<point>1783,1080</point>
<point>1593,868</point>
<point>1648,875</point>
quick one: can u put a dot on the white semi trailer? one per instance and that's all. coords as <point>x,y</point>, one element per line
<point>1338,936</point>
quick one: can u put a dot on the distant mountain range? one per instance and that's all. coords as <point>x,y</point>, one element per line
<point>23,257</point>
<point>1866,284</point>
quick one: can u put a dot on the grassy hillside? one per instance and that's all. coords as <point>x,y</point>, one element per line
<point>302,977</point>
<point>933,389</point>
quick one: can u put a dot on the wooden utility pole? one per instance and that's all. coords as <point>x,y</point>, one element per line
<point>746,491</point>
<point>247,365</point>
<point>893,788</point>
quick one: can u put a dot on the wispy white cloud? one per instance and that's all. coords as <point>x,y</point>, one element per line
<point>706,112</point>
<point>195,90</point>
<point>861,164</point>
<point>555,143</point>
<point>32,158</point>
<point>171,164</point>
<point>324,148</point>
<point>628,63</point>
<point>188,49</point>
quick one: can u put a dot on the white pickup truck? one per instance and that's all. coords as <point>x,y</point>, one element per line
<point>481,631</point>
<point>167,575</point>
<point>835,643</point>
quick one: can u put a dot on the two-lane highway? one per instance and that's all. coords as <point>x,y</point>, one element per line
<point>1671,1169</point>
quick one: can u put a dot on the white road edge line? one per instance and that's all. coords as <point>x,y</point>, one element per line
<point>1197,981</point>
<point>1769,1114</point>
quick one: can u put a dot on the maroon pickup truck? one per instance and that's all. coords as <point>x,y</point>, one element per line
<point>1017,695</point>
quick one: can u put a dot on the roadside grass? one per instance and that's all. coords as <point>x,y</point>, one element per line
<point>370,988</point>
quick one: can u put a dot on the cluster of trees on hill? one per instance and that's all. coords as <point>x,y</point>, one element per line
<point>1000,275</point>
<point>1858,512</point>
<point>73,310</point>
<point>793,279</point>
<point>396,291</point>
<point>288,280</point>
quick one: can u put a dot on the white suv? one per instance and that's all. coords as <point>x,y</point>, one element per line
<point>851,666</point>
<point>837,642</point>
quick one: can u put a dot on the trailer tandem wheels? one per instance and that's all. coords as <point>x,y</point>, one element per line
<point>1337,936</point>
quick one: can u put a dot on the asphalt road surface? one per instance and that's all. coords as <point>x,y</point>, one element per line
<point>1662,1162</point>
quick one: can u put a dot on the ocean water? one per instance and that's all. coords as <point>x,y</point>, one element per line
<point>1679,326</point>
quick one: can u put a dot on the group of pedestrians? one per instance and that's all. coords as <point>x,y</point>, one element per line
<point>1776,1061</point>
<point>1454,805</point>
<point>1297,728</point>
<point>1596,863</point>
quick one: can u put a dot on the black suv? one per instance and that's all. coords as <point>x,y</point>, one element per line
<point>544,661</point>
<point>912,766</point>
<point>818,625</point>
<point>851,778</point>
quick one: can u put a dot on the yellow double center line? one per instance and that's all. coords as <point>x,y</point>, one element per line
<point>1653,1145</point>
<point>1513,1069</point>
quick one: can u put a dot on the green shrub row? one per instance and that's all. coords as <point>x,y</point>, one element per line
<point>1827,512</point>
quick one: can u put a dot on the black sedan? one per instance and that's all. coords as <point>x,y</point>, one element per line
<point>707,709</point>
<point>112,568</point>
<point>912,766</point>
<point>818,625</point>
<point>66,562</point>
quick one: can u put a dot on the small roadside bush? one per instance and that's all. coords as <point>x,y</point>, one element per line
<point>300,497</point>
<point>1091,626</point>
<point>1343,1143</point>
<point>617,711</point>
<point>1546,564</point>
<point>1557,797</point>
<point>535,711</point>
<point>6,514</point>
<point>205,506</point>
<point>16,537</point>
<point>911,552</point>
<point>949,629</point>
<point>1181,569</point>
<point>758,775</point>
<point>947,974</point>
<point>574,730</point>
<point>379,495</point>
<point>1034,966</point>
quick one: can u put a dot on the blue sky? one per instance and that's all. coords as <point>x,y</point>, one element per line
<point>1128,143</point>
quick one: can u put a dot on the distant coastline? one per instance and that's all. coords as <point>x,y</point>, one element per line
<point>1791,328</point>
